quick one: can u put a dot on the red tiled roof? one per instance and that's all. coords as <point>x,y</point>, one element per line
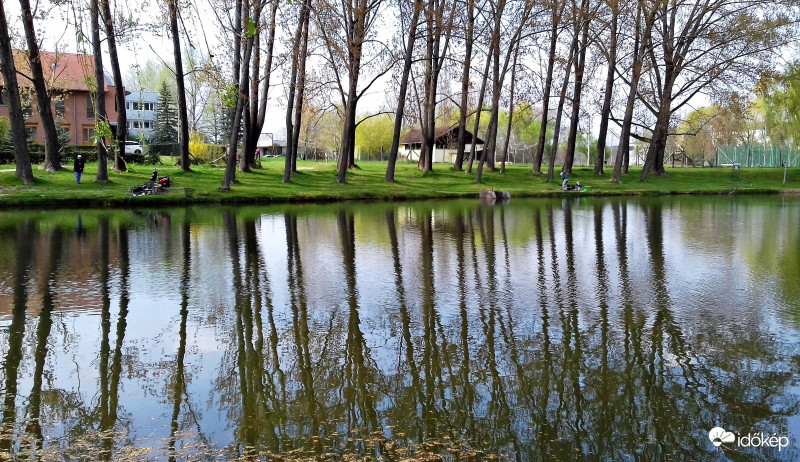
<point>65,71</point>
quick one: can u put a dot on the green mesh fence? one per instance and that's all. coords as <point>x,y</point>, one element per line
<point>758,156</point>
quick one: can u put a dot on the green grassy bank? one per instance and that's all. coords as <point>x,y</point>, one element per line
<point>316,181</point>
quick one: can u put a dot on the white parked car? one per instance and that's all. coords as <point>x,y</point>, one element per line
<point>133,147</point>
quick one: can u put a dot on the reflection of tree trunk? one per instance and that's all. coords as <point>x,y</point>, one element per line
<point>606,392</point>
<point>269,407</point>
<point>655,241</point>
<point>573,352</point>
<point>498,406</point>
<point>274,377</point>
<point>180,384</point>
<point>42,335</point>
<point>254,365</point>
<point>109,379</point>
<point>405,319</point>
<point>539,416</point>
<point>122,323</point>
<point>249,424</point>
<point>621,230</point>
<point>300,325</point>
<point>105,346</point>
<point>16,333</point>
<point>358,376</point>
<point>467,397</point>
<point>430,353</point>
<point>657,401</point>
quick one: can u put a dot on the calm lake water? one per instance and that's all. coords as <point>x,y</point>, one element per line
<point>611,329</point>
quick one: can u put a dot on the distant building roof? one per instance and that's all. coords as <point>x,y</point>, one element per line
<point>267,140</point>
<point>63,71</point>
<point>142,96</point>
<point>443,136</point>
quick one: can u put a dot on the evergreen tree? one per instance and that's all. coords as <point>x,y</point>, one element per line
<point>166,123</point>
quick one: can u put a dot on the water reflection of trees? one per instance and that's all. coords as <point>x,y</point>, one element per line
<point>453,359</point>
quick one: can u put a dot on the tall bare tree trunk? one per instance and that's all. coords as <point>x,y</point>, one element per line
<point>462,113</point>
<point>100,93</point>
<point>606,111</point>
<point>22,157</point>
<point>248,160</point>
<point>401,101</point>
<point>296,56</point>
<point>510,111</point>
<point>262,103</point>
<point>241,101</point>
<point>52,158</point>
<point>473,148</point>
<point>580,63</point>
<point>640,46</point>
<point>183,115</point>
<point>658,143</point>
<point>122,120</point>
<point>497,85</point>
<point>301,93</point>
<point>439,25</point>
<point>557,9</point>
<point>561,98</point>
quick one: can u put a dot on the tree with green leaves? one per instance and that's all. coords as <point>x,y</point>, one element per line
<point>780,94</point>
<point>374,135</point>
<point>705,47</point>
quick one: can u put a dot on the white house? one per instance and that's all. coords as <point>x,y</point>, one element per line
<point>445,146</point>
<point>140,109</point>
<point>270,145</point>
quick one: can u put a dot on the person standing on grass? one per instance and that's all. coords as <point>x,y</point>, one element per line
<point>78,167</point>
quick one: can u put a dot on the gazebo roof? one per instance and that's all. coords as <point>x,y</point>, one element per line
<point>442,135</point>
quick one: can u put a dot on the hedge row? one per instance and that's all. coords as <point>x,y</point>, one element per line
<point>36,151</point>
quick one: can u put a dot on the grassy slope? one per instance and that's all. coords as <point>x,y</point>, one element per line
<point>317,181</point>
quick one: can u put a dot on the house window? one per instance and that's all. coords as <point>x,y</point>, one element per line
<point>88,134</point>
<point>89,106</point>
<point>2,97</point>
<point>147,124</point>
<point>127,104</point>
